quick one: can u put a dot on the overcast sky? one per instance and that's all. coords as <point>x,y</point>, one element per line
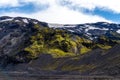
<point>63,11</point>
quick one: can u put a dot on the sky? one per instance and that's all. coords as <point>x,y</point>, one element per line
<point>63,11</point>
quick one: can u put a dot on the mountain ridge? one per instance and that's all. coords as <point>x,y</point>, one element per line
<point>35,46</point>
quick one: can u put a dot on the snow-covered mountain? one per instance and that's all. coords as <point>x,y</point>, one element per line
<point>20,20</point>
<point>91,30</point>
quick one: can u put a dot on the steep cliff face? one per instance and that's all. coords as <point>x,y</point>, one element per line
<point>30,45</point>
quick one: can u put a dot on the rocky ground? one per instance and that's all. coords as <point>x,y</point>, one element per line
<point>26,76</point>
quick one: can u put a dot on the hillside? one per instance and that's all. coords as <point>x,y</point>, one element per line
<point>39,47</point>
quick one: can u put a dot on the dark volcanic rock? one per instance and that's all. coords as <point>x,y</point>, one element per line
<point>15,35</point>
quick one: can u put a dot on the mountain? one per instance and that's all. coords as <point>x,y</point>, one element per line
<point>42,48</point>
<point>92,30</point>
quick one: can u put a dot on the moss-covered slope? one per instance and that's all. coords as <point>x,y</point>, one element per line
<point>60,43</point>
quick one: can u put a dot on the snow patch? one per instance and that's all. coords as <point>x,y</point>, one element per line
<point>88,34</point>
<point>69,26</point>
<point>92,27</point>
<point>118,31</point>
<point>104,29</point>
<point>17,20</point>
<point>6,20</point>
<point>60,25</point>
<point>71,30</point>
<point>25,20</point>
<point>35,22</point>
<point>86,30</point>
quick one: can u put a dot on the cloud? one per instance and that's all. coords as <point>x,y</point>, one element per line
<point>113,5</point>
<point>7,3</point>
<point>57,13</point>
<point>64,15</point>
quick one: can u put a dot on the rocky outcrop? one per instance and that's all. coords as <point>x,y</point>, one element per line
<point>15,35</point>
